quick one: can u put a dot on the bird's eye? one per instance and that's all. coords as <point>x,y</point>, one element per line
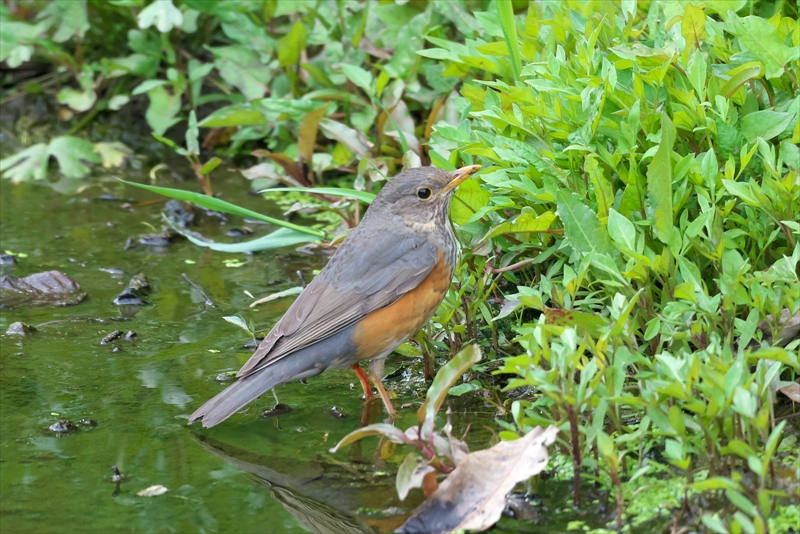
<point>424,193</point>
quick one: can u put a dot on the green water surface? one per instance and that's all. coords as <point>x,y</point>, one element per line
<point>248,474</point>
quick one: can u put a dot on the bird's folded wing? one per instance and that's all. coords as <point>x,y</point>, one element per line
<point>355,283</point>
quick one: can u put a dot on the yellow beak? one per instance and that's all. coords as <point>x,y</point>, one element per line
<point>459,176</point>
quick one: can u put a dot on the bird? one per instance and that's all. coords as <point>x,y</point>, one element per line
<point>380,287</point>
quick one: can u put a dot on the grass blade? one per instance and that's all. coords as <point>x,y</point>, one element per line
<point>204,201</point>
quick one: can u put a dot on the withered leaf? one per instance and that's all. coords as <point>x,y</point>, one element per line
<point>474,494</point>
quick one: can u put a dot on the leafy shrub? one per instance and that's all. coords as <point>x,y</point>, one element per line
<point>644,165</point>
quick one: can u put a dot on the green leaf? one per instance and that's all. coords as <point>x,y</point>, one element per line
<point>292,44</point>
<point>581,225</point>
<point>468,199</point>
<point>693,25</point>
<point>591,323</point>
<point>622,230</point>
<point>466,387</point>
<point>442,383</point>
<point>243,69</point>
<point>360,77</point>
<point>238,321</point>
<point>163,110</point>
<point>29,164</point>
<point>363,196</point>
<point>82,100</point>
<point>282,237</point>
<point>506,15</point>
<point>659,180</point>
<point>235,115</point>
<point>72,153</point>
<point>112,154</point>
<point>525,223</point>
<point>162,14</point>
<point>765,124</point>
<point>391,432</point>
<point>760,38</point>
<point>192,133</point>
<point>216,204</point>
<point>210,165</point>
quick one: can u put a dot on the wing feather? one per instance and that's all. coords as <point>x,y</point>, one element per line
<point>354,283</point>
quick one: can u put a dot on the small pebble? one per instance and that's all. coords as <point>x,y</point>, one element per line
<point>62,427</point>
<point>337,413</point>
<point>20,329</point>
<point>116,334</point>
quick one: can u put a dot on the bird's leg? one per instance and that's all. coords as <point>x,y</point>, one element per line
<point>362,377</point>
<point>376,374</point>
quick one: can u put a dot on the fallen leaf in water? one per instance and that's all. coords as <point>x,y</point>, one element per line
<point>48,288</point>
<point>153,491</point>
<point>473,496</point>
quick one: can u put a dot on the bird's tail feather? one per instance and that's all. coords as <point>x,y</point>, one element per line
<point>306,362</point>
<point>244,390</point>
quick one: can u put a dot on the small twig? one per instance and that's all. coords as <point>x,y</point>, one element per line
<point>199,290</point>
<point>512,267</point>
<point>302,279</point>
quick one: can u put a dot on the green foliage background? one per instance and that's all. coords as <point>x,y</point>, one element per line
<point>631,246</point>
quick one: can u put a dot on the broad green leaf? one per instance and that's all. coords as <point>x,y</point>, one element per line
<point>581,226</point>
<point>292,44</point>
<point>659,180</point>
<point>210,165</point>
<point>360,77</point>
<point>621,230</point>
<point>466,387</point>
<point>591,323</point>
<point>693,25</point>
<point>468,199</point>
<point>112,154</point>
<point>243,69</point>
<point>761,39</point>
<point>235,115</point>
<point>26,165</point>
<point>70,18</point>
<point>765,124</point>
<point>162,14</point>
<point>739,76</point>
<point>391,432</point>
<point>216,204</point>
<point>442,382</point>
<point>72,154</point>
<point>238,321</point>
<point>525,223</point>
<point>163,110</point>
<point>82,100</point>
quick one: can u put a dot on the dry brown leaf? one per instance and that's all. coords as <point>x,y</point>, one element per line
<point>474,494</point>
<point>791,390</point>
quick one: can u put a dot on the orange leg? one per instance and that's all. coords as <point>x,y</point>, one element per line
<point>362,377</point>
<point>376,374</point>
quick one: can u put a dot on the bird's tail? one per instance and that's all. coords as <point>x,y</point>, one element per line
<point>247,389</point>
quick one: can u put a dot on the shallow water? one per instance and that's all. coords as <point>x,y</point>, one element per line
<point>249,473</point>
